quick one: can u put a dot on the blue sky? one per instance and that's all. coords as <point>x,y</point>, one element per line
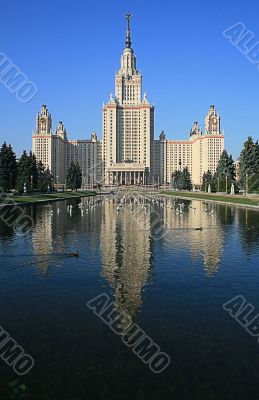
<point>71,51</point>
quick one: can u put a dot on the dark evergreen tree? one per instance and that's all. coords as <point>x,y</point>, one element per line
<point>256,157</point>
<point>44,178</point>
<point>249,165</point>
<point>185,180</point>
<point>226,166</point>
<point>27,172</point>
<point>225,173</point>
<point>8,168</point>
<point>176,177</point>
<point>74,176</point>
<point>208,179</point>
<point>33,170</point>
<point>78,176</point>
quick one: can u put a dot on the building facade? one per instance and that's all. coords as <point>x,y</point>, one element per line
<point>128,125</point>
<point>57,152</point>
<point>128,153</point>
<point>200,153</point>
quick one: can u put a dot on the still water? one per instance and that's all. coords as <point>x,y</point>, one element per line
<point>169,277</point>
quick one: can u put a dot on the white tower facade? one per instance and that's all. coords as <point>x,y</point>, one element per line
<point>128,125</point>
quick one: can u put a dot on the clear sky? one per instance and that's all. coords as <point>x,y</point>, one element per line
<point>71,50</point>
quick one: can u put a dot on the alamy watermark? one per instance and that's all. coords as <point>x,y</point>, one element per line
<point>15,80</point>
<point>244,40</point>
<point>244,313</point>
<point>14,355</point>
<point>131,334</point>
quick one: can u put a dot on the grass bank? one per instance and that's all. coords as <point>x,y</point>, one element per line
<point>235,200</point>
<point>55,196</point>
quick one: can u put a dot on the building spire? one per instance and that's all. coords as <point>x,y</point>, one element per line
<point>128,39</point>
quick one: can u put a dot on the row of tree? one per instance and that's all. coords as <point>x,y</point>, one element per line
<point>226,174</point>
<point>248,177</point>
<point>30,173</point>
<point>15,174</point>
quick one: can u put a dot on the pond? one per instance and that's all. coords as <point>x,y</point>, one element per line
<point>167,265</point>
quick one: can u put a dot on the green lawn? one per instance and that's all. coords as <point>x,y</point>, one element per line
<point>213,197</point>
<point>34,198</point>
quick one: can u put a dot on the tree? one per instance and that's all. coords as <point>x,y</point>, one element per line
<point>249,164</point>
<point>8,168</point>
<point>226,166</point>
<point>44,177</point>
<point>185,180</point>
<point>176,177</point>
<point>208,179</point>
<point>78,176</point>
<point>27,172</point>
<point>256,157</point>
<point>74,176</point>
<point>225,173</point>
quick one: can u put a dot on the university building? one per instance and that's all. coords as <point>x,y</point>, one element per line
<point>128,153</point>
<point>57,152</point>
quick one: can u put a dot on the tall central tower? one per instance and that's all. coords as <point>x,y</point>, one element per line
<point>128,81</point>
<point>128,125</point>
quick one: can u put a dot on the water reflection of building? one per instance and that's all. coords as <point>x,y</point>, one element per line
<point>42,241</point>
<point>126,253</point>
<point>208,242</point>
<point>48,235</point>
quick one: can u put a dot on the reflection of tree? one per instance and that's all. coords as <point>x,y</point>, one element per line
<point>6,232</point>
<point>225,214</point>
<point>248,222</point>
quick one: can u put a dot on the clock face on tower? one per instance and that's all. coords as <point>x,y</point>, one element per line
<point>42,120</point>
<point>214,120</point>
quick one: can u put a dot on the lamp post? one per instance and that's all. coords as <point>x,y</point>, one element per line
<point>180,165</point>
<point>11,181</point>
<point>32,183</point>
<point>218,183</point>
<point>226,184</point>
<point>246,192</point>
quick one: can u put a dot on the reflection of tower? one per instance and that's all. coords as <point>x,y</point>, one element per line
<point>42,238</point>
<point>126,253</point>
<point>208,242</point>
